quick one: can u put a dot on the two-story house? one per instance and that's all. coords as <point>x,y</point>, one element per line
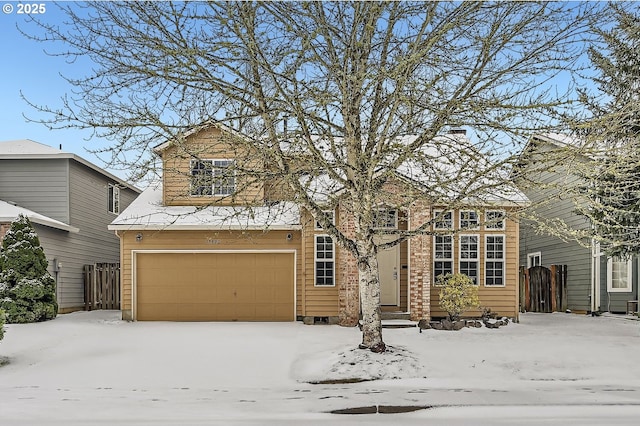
<point>190,251</point>
<point>595,282</point>
<point>70,202</point>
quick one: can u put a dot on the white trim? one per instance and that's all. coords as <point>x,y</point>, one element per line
<point>113,198</point>
<point>203,227</point>
<point>629,287</point>
<point>134,274</point>
<point>376,224</point>
<point>534,255</point>
<point>437,212</point>
<point>213,194</point>
<point>503,260</point>
<point>317,227</point>
<point>476,259</point>
<point>475,228</point>
<point>486,220</point>
<point>315,259</point>
<point>448,259</point>
<point>596,281</point>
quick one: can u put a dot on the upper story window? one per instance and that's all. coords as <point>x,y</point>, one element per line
<point>113,199</point>
<point>212,177</point>
<point>330,215</point>
<point>443,220</point>
<point>385,219</point>
<point>494,219</point>
<point>469,219</point>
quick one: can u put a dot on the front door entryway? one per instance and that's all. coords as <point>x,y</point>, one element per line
<point>388,261</point>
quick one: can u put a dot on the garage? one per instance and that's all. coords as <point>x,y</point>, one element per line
<point>214,286</point>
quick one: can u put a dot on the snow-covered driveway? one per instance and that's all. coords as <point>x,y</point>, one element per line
<point>91,368</point>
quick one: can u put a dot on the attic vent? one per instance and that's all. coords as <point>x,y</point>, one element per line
<point>457,131</point>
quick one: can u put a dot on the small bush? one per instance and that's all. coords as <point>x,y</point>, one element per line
<point>457,295</point>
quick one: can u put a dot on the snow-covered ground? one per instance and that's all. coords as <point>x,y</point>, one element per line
<point>91,368</point>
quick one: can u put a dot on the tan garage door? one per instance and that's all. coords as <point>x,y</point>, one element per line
<point>215,286</point>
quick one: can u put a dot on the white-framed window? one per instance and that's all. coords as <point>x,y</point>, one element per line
<point>443,220</point>
<point>534,259</point>
<point>385,219</point>
<point>494,255</point>
<point>332,218</point>
<point>212,177</point>
<point>324,250</point>
<point>469,219</point>
<point>469,260</point>
<point>494,220</point>
<point>619,274</point>
<point>442,255</point>
<point>113,199</point>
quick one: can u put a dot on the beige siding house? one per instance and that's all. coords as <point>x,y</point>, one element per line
<point>191,251</point>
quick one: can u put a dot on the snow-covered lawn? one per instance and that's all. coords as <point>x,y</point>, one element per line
<point>91,368</point>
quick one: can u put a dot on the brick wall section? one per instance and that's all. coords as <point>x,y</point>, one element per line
<point>347,276</point>
<point>4,227</point>
<point>419,265</point>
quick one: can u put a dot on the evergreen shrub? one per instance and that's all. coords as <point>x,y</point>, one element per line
<point>27,290</point>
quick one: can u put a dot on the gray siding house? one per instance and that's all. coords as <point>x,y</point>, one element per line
<point>70,201</point>
<point>594,281</point>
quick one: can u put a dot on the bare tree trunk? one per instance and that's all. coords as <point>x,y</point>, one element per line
<point>369,285</point>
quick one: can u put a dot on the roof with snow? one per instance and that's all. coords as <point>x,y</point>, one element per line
<point>10,212</point>
<point>446,168</point>
<point>148,212</point>
<point>28,149</point>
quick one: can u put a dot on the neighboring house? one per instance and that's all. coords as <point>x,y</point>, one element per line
<point>70,202</point>
<point>594,281</point>
<point>190,251</point>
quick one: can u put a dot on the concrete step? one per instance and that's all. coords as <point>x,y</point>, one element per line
<point>395,323</point>
<point>395,315</point>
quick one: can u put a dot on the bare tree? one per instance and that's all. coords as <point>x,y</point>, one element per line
<point>346,81</point>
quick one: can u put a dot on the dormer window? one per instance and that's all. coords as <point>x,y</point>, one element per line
<point>212,177</point>
<point>385,219</point>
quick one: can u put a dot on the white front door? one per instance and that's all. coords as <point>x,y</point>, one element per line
<point>388,261</point>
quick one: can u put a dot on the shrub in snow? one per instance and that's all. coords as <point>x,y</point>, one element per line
<point>1,324</point>
<point>457,295</point>
<point>27,290</point>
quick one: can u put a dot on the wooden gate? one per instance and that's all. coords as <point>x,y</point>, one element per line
<point>102,286</point>
<point>543,289</point>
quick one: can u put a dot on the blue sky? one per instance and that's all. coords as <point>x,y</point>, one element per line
<point>27,68</point>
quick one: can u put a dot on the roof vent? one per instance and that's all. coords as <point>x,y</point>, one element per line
<point>457,131</point>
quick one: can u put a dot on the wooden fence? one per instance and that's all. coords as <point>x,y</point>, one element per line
<point>543,289</point>
<point>102,286</point>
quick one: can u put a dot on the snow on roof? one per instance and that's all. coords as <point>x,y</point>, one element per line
<point>28,149</point>
<point>560,139</point>
<point>148,212</point>
<point>10,212</point>
<point>449,166</point>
